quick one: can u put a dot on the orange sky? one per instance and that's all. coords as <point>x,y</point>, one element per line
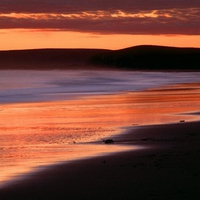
<point>30,39</point>
<point>112,24</point>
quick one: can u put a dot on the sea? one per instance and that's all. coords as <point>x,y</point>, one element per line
<point>32,86</point>
<point>48,117</point>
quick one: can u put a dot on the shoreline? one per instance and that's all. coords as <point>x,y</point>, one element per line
<point>167,170</point>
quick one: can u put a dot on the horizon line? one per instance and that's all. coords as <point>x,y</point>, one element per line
<point>82,48</point>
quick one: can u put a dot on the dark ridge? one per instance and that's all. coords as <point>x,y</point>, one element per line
<point>134,58</point>
<point>47,58</point>
<point>150,58</point>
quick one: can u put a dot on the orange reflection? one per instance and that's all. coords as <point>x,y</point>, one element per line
<point>34,134</point>
<point>107,111</point>
<point>153,106</point>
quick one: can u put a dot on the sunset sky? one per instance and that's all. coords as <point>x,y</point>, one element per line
<point>111,24</point>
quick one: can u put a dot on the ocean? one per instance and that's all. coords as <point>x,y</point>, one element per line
<point>33,86</point>
<point>49,117</point>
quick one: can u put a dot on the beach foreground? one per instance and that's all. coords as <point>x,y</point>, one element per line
<point>168,168</point>
<point>162,121</point>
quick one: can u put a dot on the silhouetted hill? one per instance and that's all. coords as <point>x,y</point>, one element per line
<point>133,58</point>
<point>150,58</point>
<point>47,58</point>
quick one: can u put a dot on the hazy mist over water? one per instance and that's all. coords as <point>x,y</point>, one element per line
<point>30,86</point>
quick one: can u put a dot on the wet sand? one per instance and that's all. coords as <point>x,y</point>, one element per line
<point>166,168</point>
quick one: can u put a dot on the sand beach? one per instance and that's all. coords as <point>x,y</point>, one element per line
<point>168,168</point>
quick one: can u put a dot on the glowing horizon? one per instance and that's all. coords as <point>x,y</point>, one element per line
<point>108,25</point>
<point>15,39</point>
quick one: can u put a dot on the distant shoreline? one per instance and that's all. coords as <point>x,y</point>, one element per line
<point>134,58</point>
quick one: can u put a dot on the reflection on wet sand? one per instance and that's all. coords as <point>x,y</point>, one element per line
<point>37,134</point>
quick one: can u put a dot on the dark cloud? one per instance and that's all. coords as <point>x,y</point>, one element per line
<point>113,16</point>
<point>69,6</point>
